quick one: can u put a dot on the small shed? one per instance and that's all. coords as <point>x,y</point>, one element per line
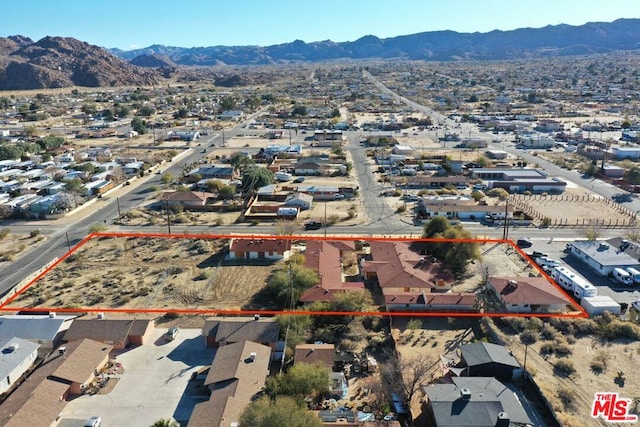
<point>599,304</point>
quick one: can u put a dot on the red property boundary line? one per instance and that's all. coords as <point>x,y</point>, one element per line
<point>580,312</point>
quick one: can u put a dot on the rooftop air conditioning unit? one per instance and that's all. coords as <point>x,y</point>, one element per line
<point>253,356</point>
<point>465,393</point>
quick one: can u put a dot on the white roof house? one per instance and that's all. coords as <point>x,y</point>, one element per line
<point>46,330</point>
<point>16,357</point>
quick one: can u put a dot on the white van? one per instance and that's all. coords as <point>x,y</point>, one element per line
<point>622,276</point>
<point>635,274</point>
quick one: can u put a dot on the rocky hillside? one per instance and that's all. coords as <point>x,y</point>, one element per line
<point>55,62</point>
<point>558,40</point>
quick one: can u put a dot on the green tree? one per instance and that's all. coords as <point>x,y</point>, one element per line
<point>108,115</point>
<point>165,423</point>
<point>147,111</point>
<point>228,103</point>
<point>286,285</point>
<point>181,113</point>
<point>240,161</point>
<point>335,112</point>
<point>280,412</point>
<point>455,255</point>
<point>49,142</point>
<point>139,125</point>
<point>298,327</point>
<point>214,185</point>
<point>254,178</point>
<point>122,111</point>
<point>473,98</point>
<point>299,110</point>
<point>302,380</point>
<point>167,178</point>
<point>227,192</point>
<point>73,185</point>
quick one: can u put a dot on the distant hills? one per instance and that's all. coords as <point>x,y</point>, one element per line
<point>61,62</point>
<point>558,40</point>
<point>54,62</point>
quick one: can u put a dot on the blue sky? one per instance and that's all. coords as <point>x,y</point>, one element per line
<point>190,23</point>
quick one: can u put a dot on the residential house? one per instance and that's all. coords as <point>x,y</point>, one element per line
<point>186,199</point>
<point>216,172</point>
<point>272,249</point>
<point>64,374</point>
<point>322,354</point>
<point>483,359</point>
<point>473,402</point>
<point>314,165</point>
<point>441,302</point>
<point>528,295</point>
<point>238,372</point>
<point>119,333</point>
<point>604,256</point>
<point>132,168</point>
<point>343,417</point>
<point>16,357</point>
<point>221,331</point>
<point>399,269</point>
<point>326,257</point>
<point>326,138</point>
<point>321,192</point>
<point>403,150</point>
<point>299,200</point>
<point>46,330</point>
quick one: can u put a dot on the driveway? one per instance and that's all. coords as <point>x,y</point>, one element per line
<point>152,386</point>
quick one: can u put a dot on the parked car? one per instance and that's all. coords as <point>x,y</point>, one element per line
<point>94,421</point>
<point>172,333</point>
<point>538,254</point>
<point>312,225</point>
<point>636,304</point>
<point>299,180</point>
<point>524,242</point>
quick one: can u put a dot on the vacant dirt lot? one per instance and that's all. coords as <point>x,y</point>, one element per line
<point>12,245</point>
<point>147,273</point>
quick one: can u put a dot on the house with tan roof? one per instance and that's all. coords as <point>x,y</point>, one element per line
<point>274,249</point>
<point>119,333</point>
<point>327,258</point>
<point>40,400</point>
<point>323,354</point>
<point>399,269</point>
<point>528,295</point>
<point>221,331</point>
<point>238,372</point>
<point>444,302</point>
<point>187,199</point>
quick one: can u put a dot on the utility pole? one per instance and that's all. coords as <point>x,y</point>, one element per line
<point>119,213</point>
<point>505,232</point>
<point>325,218</point>
<point>68,242</point>
<point>168,217</point>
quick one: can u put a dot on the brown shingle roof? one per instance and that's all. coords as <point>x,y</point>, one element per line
<point>237,329</point>
<point>103,329</point>
<point>39,399</point>
<point>315,353</point>
<point>234,378</point>
<point>82,362</point>
<point>396,265</point>
<point>527,290</point>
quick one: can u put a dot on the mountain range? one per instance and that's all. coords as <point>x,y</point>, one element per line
<point>61,62</point>
<point>558,40</point>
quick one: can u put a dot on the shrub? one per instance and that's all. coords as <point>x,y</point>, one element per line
<point>564,368</point>
<point>567,396</point>
<point>414,324</point>
<point>548,332</point>
<point>35,233</point>
<point>4,233</point>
